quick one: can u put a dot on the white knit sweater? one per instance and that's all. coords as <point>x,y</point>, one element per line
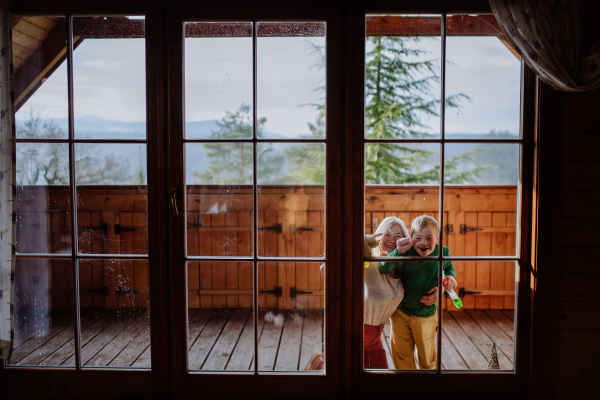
<point>383,294</point>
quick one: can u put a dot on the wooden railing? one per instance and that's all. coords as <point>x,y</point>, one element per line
<point>480,220</point>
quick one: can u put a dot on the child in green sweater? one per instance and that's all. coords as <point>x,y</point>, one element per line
<point>414,323</point>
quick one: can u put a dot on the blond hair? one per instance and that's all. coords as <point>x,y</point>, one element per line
<point>422,222</point>
<point>385,225</point>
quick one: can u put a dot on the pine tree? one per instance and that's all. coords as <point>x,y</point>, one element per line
<point>307,162</point>
<point>232,163</point>
<point>397,95</point>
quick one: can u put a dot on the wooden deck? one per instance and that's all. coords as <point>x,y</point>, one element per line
<point>222,340</point>
<point>109,338</point>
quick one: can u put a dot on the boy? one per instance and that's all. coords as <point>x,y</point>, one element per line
<point>415,321</point>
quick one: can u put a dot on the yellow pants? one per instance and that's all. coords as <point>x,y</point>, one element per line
<point>408,331</point>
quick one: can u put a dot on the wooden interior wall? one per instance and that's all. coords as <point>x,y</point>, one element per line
<point>112,219</point>
<point>578,321</point>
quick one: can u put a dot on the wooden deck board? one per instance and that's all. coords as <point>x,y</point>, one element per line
<point>510,314</point>
<point>243,354</point>
<point>143,360</point>
<point>128,334</point>
<point>451,358</point>
<point>463,344</point>
<point>481,340</point>
<point>312,339</point>
<point>24,348</point>
<point>503,321</point>
<point>196,324</point>
<point>221,352</point>
<point>268,345</point>
<point>288,354</point>
<point>106,338</point>
<point>133,351</point>
<point>207,339</point>
<point>63,343</point>
<point>26,332</point>
<point>503,342</point>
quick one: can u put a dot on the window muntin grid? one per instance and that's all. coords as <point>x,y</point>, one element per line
<point>117,267</point>
<point>260,256</point>
<point>443,142</point>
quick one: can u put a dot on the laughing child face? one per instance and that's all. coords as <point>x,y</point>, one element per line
<point>426,240</point>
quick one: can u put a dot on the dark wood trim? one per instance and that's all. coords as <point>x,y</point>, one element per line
<point>526,228</point>
<point>186,384</point>
<point>470,385</point>
<point>157,201</point>
<point>97,383</point>
<point>546,264</point>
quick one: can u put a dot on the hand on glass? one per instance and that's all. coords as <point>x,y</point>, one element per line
<point>404,244</point>
<point>371,240</point>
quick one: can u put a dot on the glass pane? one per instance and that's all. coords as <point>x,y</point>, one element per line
<point>291,80</point>
<point>487,318</point>
<point>218,80</point>
<point>401,202</point>
<point>219,199</point>
<point>111,198</point>
<point>115,313</point>
<point>291,314</point>
<point>220,316</point>
<point>481,198</point>
<point>43,312</point>
<point>109,77</point>
<point>40,77</point>
<point>291,199</point>
<point>484,75</point>
<point>402,76</point>
<point>43,201</point>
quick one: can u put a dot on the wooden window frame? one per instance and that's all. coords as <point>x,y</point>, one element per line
<point>49,381</point>
<point>186,383</point>
<point>422,383</point>
<point>345,81</point>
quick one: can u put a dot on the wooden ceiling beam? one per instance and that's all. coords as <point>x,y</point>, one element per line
<point>41,64</point>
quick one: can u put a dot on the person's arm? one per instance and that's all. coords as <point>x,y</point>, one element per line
<point>385,267</point>
<point>449,272</point>
<point>402,246</point>
<point>372,240</point>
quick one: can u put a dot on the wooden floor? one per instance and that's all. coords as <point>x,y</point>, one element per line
<point>467,338</point>
<point>109,338</point>
<point>222,339</point>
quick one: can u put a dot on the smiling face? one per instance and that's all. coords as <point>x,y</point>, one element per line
<point>388,241</point>
<point>426,240</point>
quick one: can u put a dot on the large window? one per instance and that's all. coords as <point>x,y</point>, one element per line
<point>442,139</point>
<point>255,156</point>
<point>82,282</point>
<point>193,185</point>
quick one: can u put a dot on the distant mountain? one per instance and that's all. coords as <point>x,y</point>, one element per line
<point>502,159</point>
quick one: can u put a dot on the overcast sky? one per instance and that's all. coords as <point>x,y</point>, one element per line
<point>109,82</point>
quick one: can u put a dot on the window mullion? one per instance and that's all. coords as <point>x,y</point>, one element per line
<point>255,195</point>
<point>441,192</point>
<point>73,193</point>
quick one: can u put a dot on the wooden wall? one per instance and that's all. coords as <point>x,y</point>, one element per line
<point>112,219</point>
<point>578,317</point>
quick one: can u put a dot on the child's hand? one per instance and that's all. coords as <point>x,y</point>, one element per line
<point>431,298</point>
<point>404,244</point>
<point>450,282</point>
<point>371,240</point>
